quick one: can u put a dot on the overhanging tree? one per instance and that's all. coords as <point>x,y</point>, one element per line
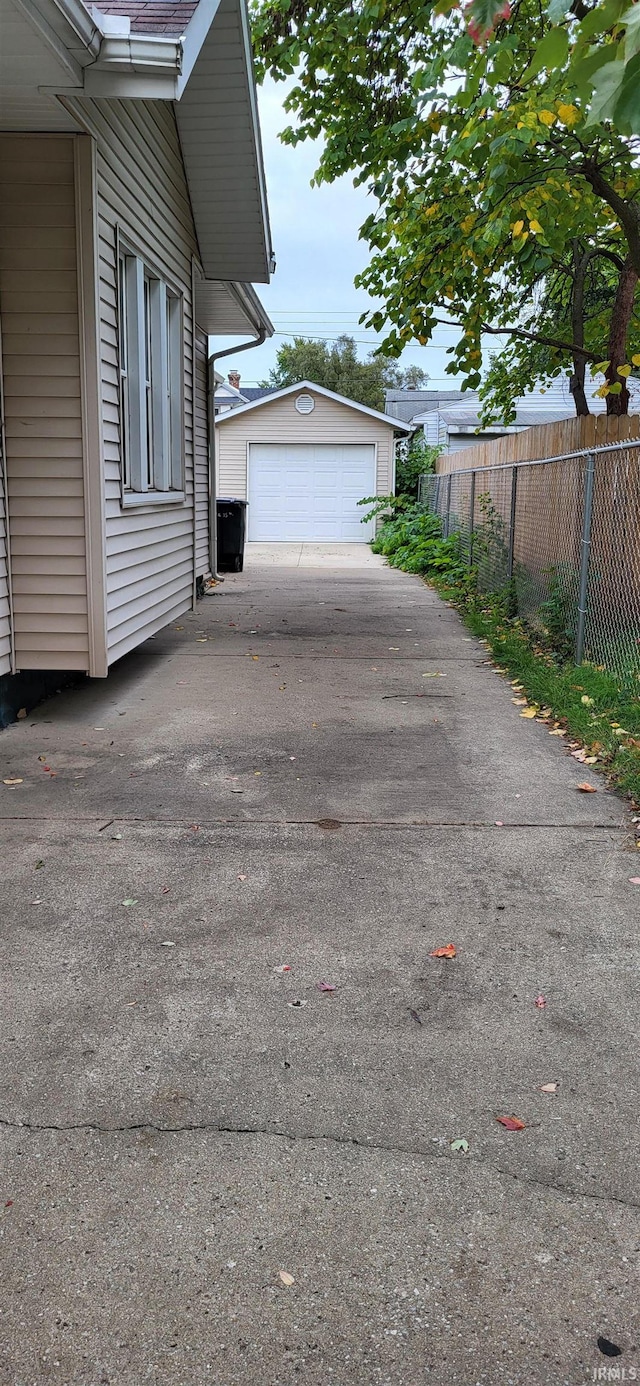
<point>337,366</point>
<point>494,187</point>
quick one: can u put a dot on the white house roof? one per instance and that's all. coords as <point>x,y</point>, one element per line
<point>308,385</point>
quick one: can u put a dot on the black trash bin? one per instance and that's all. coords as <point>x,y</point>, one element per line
<point>232,530</point>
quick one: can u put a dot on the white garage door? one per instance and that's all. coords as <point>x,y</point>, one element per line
<point>301,493</point>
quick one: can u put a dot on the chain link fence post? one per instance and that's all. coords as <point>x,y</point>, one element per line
<point>512,521</point>
<point>585,554</point>
<point>448,519</point>
<point>472,512</point>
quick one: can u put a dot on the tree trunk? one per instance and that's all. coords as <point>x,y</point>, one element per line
<point>618,332</point>
<point>576,384</point>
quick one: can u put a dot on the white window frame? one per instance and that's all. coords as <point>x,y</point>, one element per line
<point>151,370</point>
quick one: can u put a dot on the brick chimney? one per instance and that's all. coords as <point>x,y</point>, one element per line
<point>234,379</point>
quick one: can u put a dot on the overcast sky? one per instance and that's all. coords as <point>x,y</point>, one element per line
<point>315,237</point>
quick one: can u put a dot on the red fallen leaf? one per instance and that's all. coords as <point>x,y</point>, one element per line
<point>586,788</point>
<point>47,768</point>
<point>511,1123</point>
<point>448,950</point>
<point>9,1203</point>
<point>540,1001</point>
<point>165,890</point>
<point>325,986</point>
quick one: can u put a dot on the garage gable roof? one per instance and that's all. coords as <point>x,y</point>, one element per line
<point>309,385</point>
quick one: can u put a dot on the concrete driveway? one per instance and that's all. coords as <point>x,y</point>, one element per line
<point>311,556</point>
<point>212,1170</point>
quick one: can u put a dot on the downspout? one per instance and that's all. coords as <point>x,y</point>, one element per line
<point>213,518</point>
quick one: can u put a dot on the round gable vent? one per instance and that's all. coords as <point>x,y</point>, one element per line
<point>305,404</point>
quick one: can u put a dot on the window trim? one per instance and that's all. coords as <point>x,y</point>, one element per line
<point>152,433</point>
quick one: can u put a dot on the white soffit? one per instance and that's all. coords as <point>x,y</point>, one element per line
<point>223,310</point>
<point>219,133</point>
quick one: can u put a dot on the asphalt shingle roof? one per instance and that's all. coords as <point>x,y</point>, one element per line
<point>167,17</point>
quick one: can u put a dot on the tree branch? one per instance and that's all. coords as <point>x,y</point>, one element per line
<point>528,336</point>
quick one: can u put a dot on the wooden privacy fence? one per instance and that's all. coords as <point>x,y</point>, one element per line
<point>544,440</point>
<point>562,537</point>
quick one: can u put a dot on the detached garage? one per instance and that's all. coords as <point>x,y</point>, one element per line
<point>303,457</point>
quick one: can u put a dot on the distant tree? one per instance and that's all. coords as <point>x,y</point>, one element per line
<point>337,366</point>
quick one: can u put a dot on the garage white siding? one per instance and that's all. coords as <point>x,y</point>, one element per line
<point>306,492</point>
<point>278,421</point>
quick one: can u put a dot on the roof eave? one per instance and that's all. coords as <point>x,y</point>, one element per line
<point>393,423</point>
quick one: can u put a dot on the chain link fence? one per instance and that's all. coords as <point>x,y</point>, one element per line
<point>561,537</point>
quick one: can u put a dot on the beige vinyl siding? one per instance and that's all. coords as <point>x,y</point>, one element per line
<point>278,421</point>
<point>142,195</point>
<point>201,449</point>
<point>43,421</point>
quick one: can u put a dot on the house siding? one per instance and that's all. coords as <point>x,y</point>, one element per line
<point>43,420</point>
<point>278,421</point>
<point>142,196</point>
<point>201,456</point>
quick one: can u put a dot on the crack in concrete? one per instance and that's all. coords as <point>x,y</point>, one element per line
<point>212,1128</point>
<point>616,826</point>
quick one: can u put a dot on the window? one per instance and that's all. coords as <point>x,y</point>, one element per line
<point>150,349</point>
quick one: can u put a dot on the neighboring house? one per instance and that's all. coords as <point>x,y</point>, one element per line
<point>228,394</point>
<point>403,404</point>
<point>132,219</point>
<point>303,457</point>
<point>451,419</point>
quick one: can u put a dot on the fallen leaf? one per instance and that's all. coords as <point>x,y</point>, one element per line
<point>459,1144</point>
<point>635,880</point>
<point>548,1087</point>
<point>116,837</point>
<point>609,1349</point>
<point>21,714</point>
<point>325,986</point>
<point>414,1015</point>
<point>586,788</point>
<point>529,712</point>
<point>38,865</point>
<point>9,1203</point>
<point>296,1004</point>
<point>167,944</point>
<point>284,967</point>
<point>540,1002</point>
<point>286,1278</point>
<point>447,950</point>
<point>394,648</point>
<point>13,781</point>
<point>557,731</point>
<point>511,1123</point>
<point>242,878</point>
<point>235,789</point>
<point>498,823</point>
<point>201,639</point>
<point>519,702</point>
<point>588,702</point>
<point>129,902</point>
<point>291,757</point>
<point>255,656</point>
<point>434,676</point>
